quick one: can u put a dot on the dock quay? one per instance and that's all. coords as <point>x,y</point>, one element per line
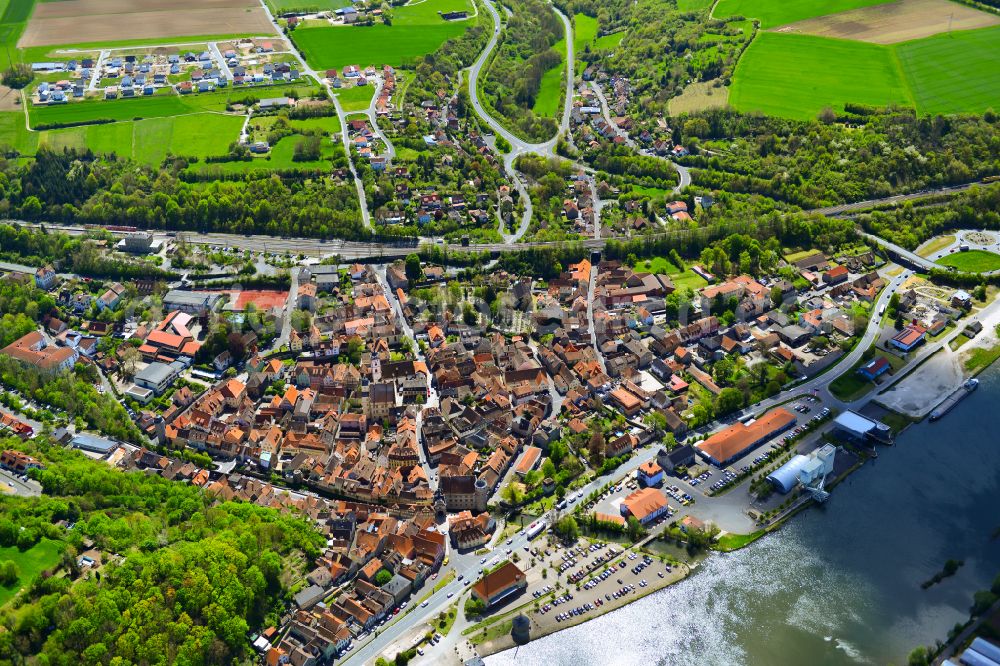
<point>956,397</point>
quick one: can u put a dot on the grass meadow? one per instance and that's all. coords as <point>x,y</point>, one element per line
<point>973,261</point>
<point>355,99</point>
<point>584,32</point>
<point>608,42</point>
<point>682,279</point>
<point>693,5</point>
<point>550,92</point>
<point>282,6</point>
<point>44,555</point>
<point>395,45</point>
<point>150,140</point>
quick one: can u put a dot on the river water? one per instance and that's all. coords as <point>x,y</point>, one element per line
<point>838,585</point>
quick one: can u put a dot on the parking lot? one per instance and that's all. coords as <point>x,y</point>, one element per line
<point>600,577</point>
<point>808,409</point>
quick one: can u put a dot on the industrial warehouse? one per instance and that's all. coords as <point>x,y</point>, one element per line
<point>731,444</point>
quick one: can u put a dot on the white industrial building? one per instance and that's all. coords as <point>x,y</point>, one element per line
<point>981,653</point>
<point>810,470</point>
<point>860,428</point>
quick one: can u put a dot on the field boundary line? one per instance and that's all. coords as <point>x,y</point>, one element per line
<point>903,78</point>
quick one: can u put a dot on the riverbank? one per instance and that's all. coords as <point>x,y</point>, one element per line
<point>498,637</point>
<point>941,374</point>
<point>840,584</point>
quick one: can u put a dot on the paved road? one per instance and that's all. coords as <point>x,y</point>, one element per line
<point>290,305</point>
<point>293,50</point>
<point>390,151</point>
<point>213,47</point>
<point>432,394</point>
<point>683,173</point>
<point>466,564</point>
<point>520,146</point>
<point>590,318</point>
<point>27,488</point>
<point>901,253</point>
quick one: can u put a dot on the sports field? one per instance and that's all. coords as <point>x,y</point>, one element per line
<point>69,21</point>
<point>954,73</point>
<point>894,22</point>
<point>973,261</point>
<point>796,76</point>
<point>772,13</point>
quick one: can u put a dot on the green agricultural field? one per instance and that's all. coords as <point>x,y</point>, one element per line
<point>280,157</point>
<point>426,12</point>
<point>282,6</point>
<point>128,109</point>
<point>14,134</point>
<point>56,52</point>
<point>550,92</point>
<point>14,15</point>
<point>396,45</point>
<point>355,99</point>
<point>796,76</point>
<point>415,31</point>
<point>330,124</point>
<point>955,72</point>
<point>161,105</point>
<point>44,555</point>
<point>773,13</point>
<point>973,261</point>
<point>150,140</point>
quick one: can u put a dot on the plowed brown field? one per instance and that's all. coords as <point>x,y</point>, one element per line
<point>894,22</point>
<point>87,21</point>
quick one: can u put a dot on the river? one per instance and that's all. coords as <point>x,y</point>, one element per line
<point>838,585</point>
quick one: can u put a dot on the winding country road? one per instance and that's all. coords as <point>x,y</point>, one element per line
<point>520,146</point>
<point>683,173</point>
<point>341,116</point>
